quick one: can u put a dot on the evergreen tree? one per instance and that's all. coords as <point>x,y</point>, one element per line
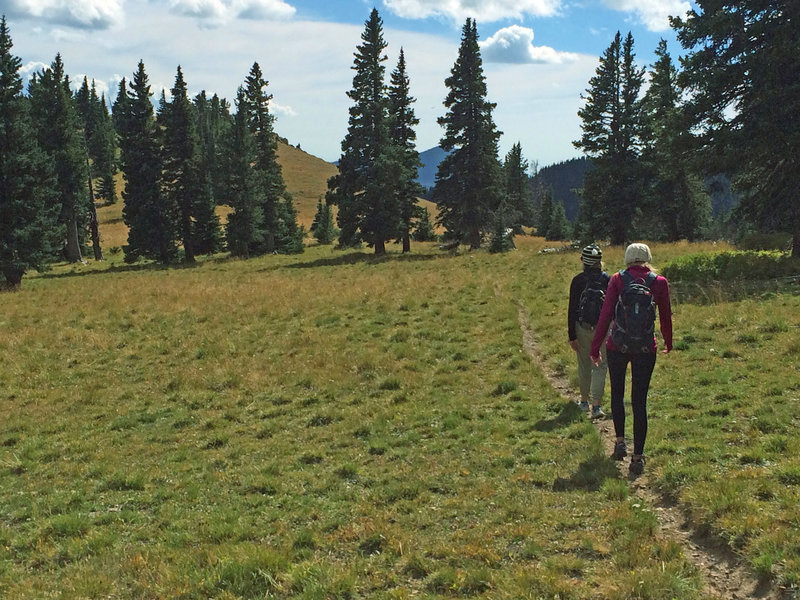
<point>103,148</point>
<point>678,205</point>
<point>60,134</point>
<point>322,228</point>
<point>183,183</point>
<point>518,188</point>
<point>214,125</point>
<point>611,138</point>
<point>402,121</point>
<point>559,228</point>
<point>28,199</point>
<point>469,180</point>
<point>502,238</point>
<point>281,232</point>
<point>373,171</point>
<point>545,214</point>
<point>743,76</point>
<point>423,230</point>
<point>245,228</point>
<point>152,221</point>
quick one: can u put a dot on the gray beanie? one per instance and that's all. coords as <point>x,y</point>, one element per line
<point>637,253</point>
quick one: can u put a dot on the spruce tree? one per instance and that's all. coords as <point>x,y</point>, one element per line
<point>423,227</point>
<point>245,228</point>
<point>184,184</point>
<point>402,121</point>
<point>742,74</point>
<point>545,214</point>
<point>281,233</point>
<point>678,205</point>
<point>152,222</point>
<point>518,188</point>
<point>322,227</point>
<point>28,199</point>
<point>367,189</point>
<point>612,139</point>
<point>103,148</point>
<point>60,134</point>
<point>469,180</point>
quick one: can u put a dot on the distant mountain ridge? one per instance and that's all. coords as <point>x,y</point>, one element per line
<point>430,159</point>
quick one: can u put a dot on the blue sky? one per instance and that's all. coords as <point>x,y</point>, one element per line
<point>538,54</point>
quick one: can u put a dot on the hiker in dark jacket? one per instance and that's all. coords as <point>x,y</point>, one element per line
<point>586,293</point>
<point>642,358</point>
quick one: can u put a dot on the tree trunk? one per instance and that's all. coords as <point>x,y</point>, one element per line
<point>406,242</point>
<point>796,238</point>
<point>98,251</point>
<point>73,249</point>
<point>474,239</point>
<point>380,247</point>
<point>13,278</point>
<point>188,249</point>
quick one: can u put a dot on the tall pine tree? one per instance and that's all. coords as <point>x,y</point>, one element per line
<point>184,184</point>
<point>60,134</point>
<point>281,233</point>
<point>402,121</point>
<point>245,228</point>
<point>367,189</point>
<point>469,183</point>
<point>678,205</point>
<point>518,188</point>
<point>612,139</point>
<point>743,77</point>
<point>28,198</point>
<point>152,222</point>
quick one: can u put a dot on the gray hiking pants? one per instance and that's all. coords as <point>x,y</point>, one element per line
<point>591,379</point>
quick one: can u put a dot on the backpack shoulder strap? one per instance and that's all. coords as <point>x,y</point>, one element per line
<point>650,279</point>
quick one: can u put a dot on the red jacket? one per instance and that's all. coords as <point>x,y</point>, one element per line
<point>660,289</point>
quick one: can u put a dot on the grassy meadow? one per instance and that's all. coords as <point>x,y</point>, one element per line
<point>334,425</point>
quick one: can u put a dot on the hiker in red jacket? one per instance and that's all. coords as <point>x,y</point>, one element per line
<point>629,307</point>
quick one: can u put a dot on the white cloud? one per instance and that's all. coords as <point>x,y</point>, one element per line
<point>515,45</point>
<point>84,14</point>
<point>281,109</point>
<point>29,68</point>
<point>219,12</point>
<point>482,10</point>
<point>654,14</point>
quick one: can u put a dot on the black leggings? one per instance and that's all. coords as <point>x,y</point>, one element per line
<point>642,366</point>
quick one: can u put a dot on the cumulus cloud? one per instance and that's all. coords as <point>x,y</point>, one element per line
<point>27,70</point>
<point>281,109</point>
<point>482,10</point>
<point>515,45</point>
<point>654,14</point>
<point>83,14</point>
<point>218,12</point>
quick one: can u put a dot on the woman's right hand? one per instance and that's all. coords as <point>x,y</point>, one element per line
<point>575,345</point>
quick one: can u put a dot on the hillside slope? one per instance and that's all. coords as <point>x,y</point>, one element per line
<point>306,178</point>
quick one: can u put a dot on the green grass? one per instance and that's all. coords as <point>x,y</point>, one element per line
<point>334,425</point>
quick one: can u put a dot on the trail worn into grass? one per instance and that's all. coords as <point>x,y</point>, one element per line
<point>725,573</point>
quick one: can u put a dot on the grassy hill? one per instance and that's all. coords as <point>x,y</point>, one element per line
<point>306,178</point>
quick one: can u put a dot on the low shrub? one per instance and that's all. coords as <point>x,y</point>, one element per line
<point>731,265</point>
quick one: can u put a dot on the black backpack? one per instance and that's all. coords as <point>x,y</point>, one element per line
<point>592,298</point>
<point>635,315</point>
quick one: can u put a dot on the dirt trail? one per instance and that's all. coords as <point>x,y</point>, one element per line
<point>726,575</point>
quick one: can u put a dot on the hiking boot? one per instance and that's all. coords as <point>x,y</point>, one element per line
<point>597,412</point>
<point>637,466</point>
<point>620,451</point>
<point>584,405</point>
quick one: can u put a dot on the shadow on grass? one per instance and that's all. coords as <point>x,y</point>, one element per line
<point>590,475</point>
<point>120,268</point>
<point>569,413</point>
<point>353,258</point>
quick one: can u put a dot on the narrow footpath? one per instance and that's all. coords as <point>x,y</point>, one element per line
<point>727,576</point>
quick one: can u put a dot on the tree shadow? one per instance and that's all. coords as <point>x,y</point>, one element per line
<point>353,258</point>
<point>590,475</point>
<point>117,268</point>
<point>569,413</point>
